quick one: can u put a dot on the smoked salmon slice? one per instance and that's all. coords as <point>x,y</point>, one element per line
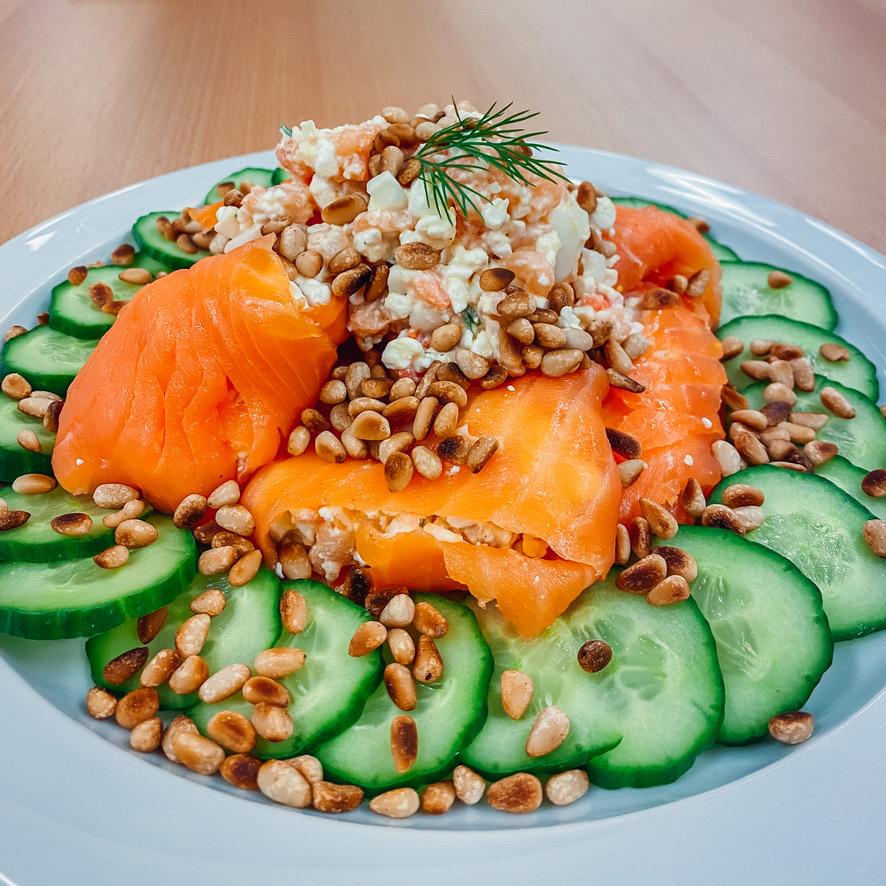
<point>653,246</point>
<point>198,381</point>
<point>677,417</point>
<point>552,478</point>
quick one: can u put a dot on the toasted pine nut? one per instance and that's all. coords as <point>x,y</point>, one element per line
<point>294,561</point>
<point>427,463</point>
<point>819,452</point>
<point>428,664</point>
<point>241,770</point>
<point>232,731</point>
<point>216,560</point>
<point>343,210</point>
<point>661,521</point>
<point>192,634</point>
<point>15,386</point>
<point>480,453</point>
<point>148,626</point>
<point>793,727</point>
<point>369,636</point>
<point>424,417</point>
<point>224,683</point>
<point>199,754</point>
<point>833,352</point>
<point>516,693</point>
<point>756,369</point>
<point>732,347</point>
<point>279,662</point>
<point>741,495</point>
<point>671,589</point>
<point>548,732</point>
<point>190,675</point>
<point>622,545</point>
<point>445,338</point>
<point>264,689</point>
<point>335,798</point>
<point>567,787</point>
<point>245,569</point>
<point>518,794</point>
<point>137,706</point>
<point>293,611</point>
<point>235,518</point>
<point>113,496</point>
<point>181,723</point>
<point>100,703</point>
<point>402,646</point>
<point>160,668</point>
<point>417,256</point>
<point>135,534</point>
<point>429,621</point>
<point>130,511</point>
<point>644,575</point>
<point>400,685</point>
<point>721,517</point>
<point>469,786</point>
<point>398,471</point>
<point>299,440</point>
<point>211,602</point>
<point>399,612</point>
<point>404,742</point>
<point>836,403</point>
<point>727,457</point>
<point>33,484</point>
<point>875,535</point>
<point>118,670</point>
<point>438,798</point>
<point>71,524</point>
<point>145,737</point>
<point>398,803</point>
<point>272,722</point>
<point>227,493</point>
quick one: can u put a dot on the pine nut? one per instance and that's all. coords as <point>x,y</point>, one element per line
<point>265,690</point>
<point>428,665</point>
<point>472,365</point>
<point>756,369</point>
<point>241,770</point>
<point>751,449</point>
<point>271,722</point>
<point>560,362</point>
<point>793,727</point>
<point>721,517</point>
<point>14,332</point>
<point>205,532</point>
<point>804,375</point>
<point>118,670</point>
<point>400,684</point>
<point>833,352</point>
<point>15,386</point>
<point>445,338</point>
<point>417,256</point>
<point>192,634</point>
<point>814,420</point>
<point>33,484</point>
<point>658,298</point>
<point>179,724</point>
<point>336,798</point>
<point>399,612</point>
<point>211,603</point>
<point>586,197</point>
<point>199,754</point>
<point>469,786</point>
<point>516,693</point>
<point>399,442</point>
<point>727,457</point>
<point>697,284</point>
<point>375,601</point>
<point>750,517</point>
<point>438,798</point>
<point>644,575</point>
<point>12,519</point>
<point>779,392</point>
<point>145,737</point>
<point>398,803</point>
<point>245,569</point>
<point>594,655</point>
<point>623,444</point>
<point>398,471</point>
<point>836,403</point>
<point>232,731</point>
<point>777,411</point>
<point>190,511</point>
<point>449,392</point>
<point>672,589</point>
<point>29,441</point>
<point>308,263</point>
<point>517,794</point>
<point>368,637</point>
<point>293,611</point>
<point>480,453</point>
<point>630,470</point>
<point>641,537</point>
<point>137,706</point>
<point>224,538</point>
<point>404,743</point>
<point>113,496</point>
<point>548,732</point>
<point>343,210</point>
<point>293,241</point>
<point>661,521</point>
<point>217,560</point>
<point>429,621</point>
<point>874,483</point>
<point>135,534</point>
<point>71,524</point>
<point>100,704</point>
<point>732,398</point>
<point>622,545</point>
<point>402,646</point>
<point>567,787</point>
<point>148,626</point>
<point>190,676</point>
<point>427,463</point>
<point>279,662</point>
<point>160,668</point>
<point>345,260</point>
<point>875,535</point>
<point>235,518</point>
<point>224,683</point>
<point>732,347</point>
<point>227,493</point>
<point>333,392</point>
<point>818,452</point>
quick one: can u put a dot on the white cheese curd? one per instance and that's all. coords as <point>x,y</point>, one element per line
<point>323,191</point>
<point>251,233</point>
<point>402,523</point>
<point>495,213</point>
<point>484,345</point>
<point>422,316</point>
<point>328,240</point>
<point>441,533</point>
<point>568,318</point>
<point>573,227</point>
<point>398,305</point>
<point>271,203</point>
<point>688,461</point>
<point>227,223</point>
<point>314,292</point>
<point>604,214</point>
<point>432,230</point>
<point>385,192</point>
<point>403,353</point>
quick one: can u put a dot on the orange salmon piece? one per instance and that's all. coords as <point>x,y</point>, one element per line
<point>198,381</point>
<point>654,246</point>
<point>552,477</point>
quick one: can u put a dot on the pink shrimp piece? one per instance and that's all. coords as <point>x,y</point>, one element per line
<point>532,270</point>
<point>429,288</point>
<point>293,196</point>
<point>353,145</point>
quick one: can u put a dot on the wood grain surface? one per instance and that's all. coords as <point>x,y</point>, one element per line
<point>784,98</point>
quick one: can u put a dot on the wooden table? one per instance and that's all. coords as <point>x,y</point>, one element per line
<point>784,98</point>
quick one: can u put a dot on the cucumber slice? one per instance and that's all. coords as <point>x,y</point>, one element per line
<point>280,175</point>
<point>551,662</point>
<point>154,244</point>
<point>247,625</point>
<point>817,527</point>
<point>48,359</point>
<point>448,713</point>
<point>857,372</point>
<point>76,598</point>
<point>721,251</point>
<point>861,439</point>
<point>848,477</point>
<point>321,707</point>
<point>772,636</point>
<point>263,177</point>
<point>746,291</point>
<point>664,687</point>
<point>13,459</point>
<point>73,312</point>
<point>36,542</point>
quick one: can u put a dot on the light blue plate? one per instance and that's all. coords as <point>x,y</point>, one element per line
<point>77,806</point>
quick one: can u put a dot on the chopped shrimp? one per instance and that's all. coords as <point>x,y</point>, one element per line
<point>429,288</point>
<point>338,154</point>
<point>353,144</point>
<point>369,319</point>
<point>292,199</point>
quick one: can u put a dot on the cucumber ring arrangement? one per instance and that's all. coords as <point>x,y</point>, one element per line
<point>288,686</point>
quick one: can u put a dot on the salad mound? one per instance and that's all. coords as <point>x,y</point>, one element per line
<point>417,360</point>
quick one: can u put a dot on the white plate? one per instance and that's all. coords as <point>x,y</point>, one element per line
<point>77,806</point>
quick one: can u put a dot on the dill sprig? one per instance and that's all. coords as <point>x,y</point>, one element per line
<point>497,139</point>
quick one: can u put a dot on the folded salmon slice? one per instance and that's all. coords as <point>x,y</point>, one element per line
<point>553,477</point>
<point>198,381</point>
<point>653,246</point>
